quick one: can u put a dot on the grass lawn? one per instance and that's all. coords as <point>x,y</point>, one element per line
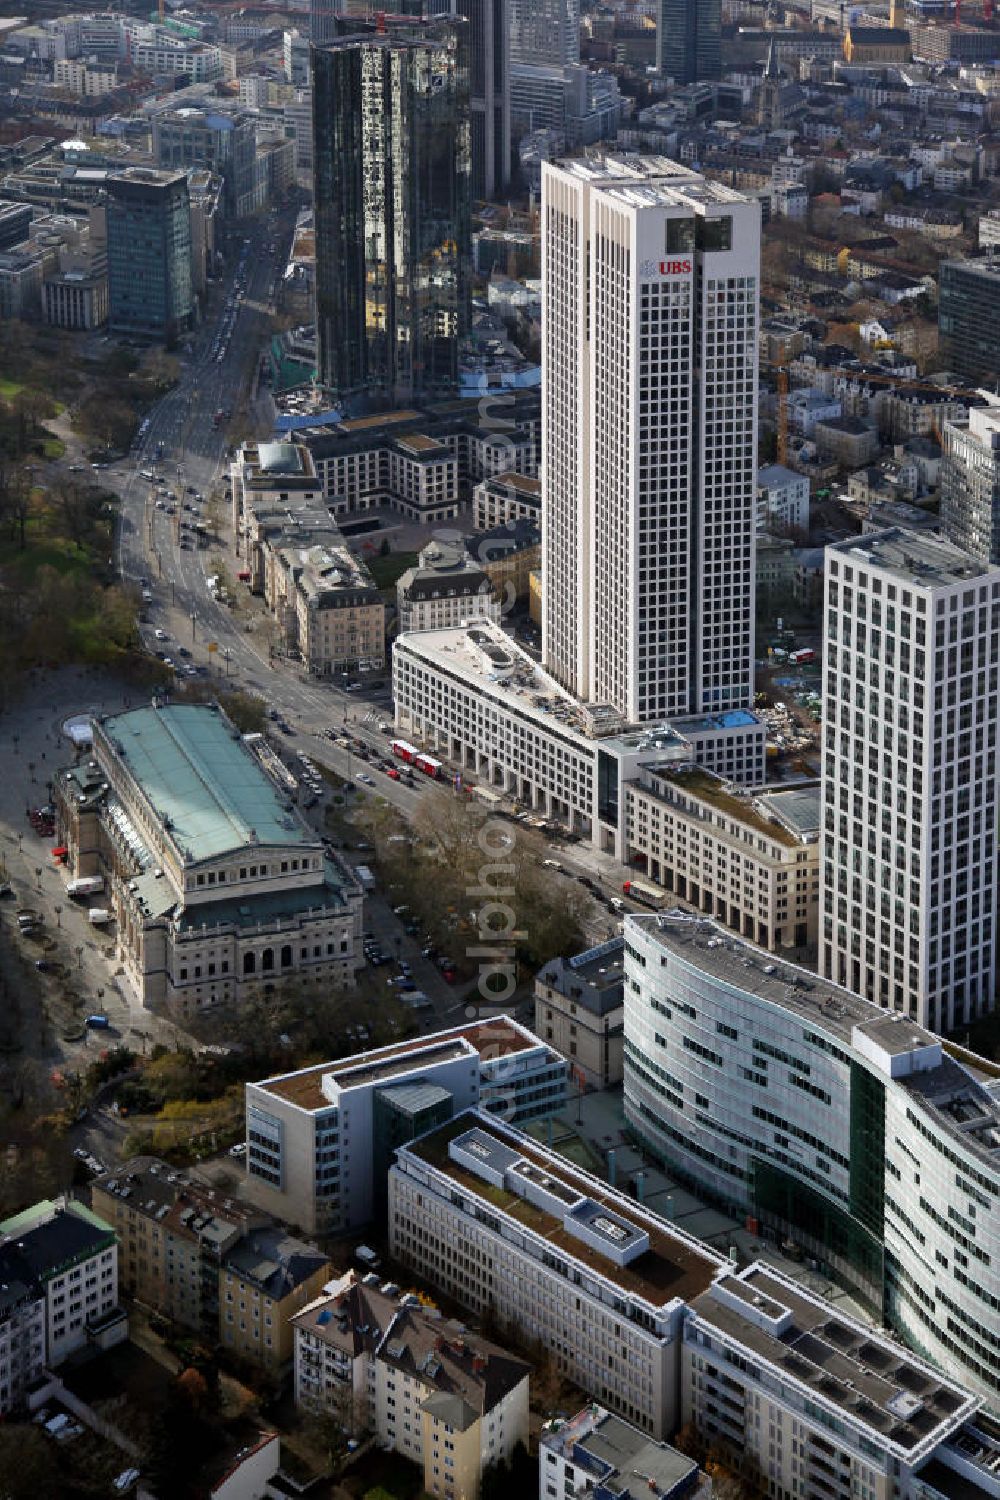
<point>43,552</point>
<point>10,388</point>
<point>385,570</point>
<point>53,448</point>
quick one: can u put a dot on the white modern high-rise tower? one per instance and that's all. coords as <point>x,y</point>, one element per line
<point>649,411</point>
<point>909,860</point>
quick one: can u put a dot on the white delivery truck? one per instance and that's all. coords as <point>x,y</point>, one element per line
<point>97,916</point>
<point>86,885</point>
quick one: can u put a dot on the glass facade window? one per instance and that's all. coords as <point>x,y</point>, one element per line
<point>392,193</point>
<point>149,253</point>
<point>689,40</point>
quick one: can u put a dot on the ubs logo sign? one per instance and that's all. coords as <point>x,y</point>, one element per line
<point>664,267</point>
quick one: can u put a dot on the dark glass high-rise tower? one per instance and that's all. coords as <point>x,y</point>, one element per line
<point>689,39</point>
<point>149,253</point>
<point>392,200</point>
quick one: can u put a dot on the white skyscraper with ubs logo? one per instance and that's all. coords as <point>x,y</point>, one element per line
<point>651,292</point>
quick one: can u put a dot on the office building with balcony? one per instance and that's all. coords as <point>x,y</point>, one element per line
<point>854,1137</point>
<point>320,1140</point>
<point>216,886</point>
<point>817,1404</point>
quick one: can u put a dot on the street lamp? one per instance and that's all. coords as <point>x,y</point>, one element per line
<point>58,912</point>
<point>194,621</point>
<point>38,876</point>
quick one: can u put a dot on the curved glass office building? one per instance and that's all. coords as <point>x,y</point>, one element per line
<point>856,1134</point>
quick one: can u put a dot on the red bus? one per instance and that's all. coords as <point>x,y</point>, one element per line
<point>404,750</point>
<point>428,765</point>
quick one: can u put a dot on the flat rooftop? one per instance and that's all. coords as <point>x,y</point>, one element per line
<point>201,782</point>
<point>629,1464</point>
<point>952,1090</point>
<point>525,484</point>
<point>797,807</point>
<point>672,1267</point>
<point>491,1039</point>
<point>914,558</point>
<point>871,1380</point>
<point>420,443</point>
<point>716,792</point>
<point>594,979</point>
<point>716,951</point>
<point>641,181</point>
<point>494,665</point>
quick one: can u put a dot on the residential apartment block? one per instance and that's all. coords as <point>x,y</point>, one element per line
<point>320,1140</point>
<point>323,597</point>
<point>501,1225</point>
<point>909,877</point>
<point>208,1262</point>
<point>579,1010</point>
<point>58,1292</point>
<point>749,858</point>
<point>217,887</point>
<point>854,1134</point>
<point>426,1388</point>
<point>595,1451</point>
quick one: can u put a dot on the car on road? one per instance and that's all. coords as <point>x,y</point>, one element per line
<point>161,635</point>
<point>551,864</point>
<point>240,1149</point>
<point>368,780</point>
<point>80,1153</point>
<point>183,651</point>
